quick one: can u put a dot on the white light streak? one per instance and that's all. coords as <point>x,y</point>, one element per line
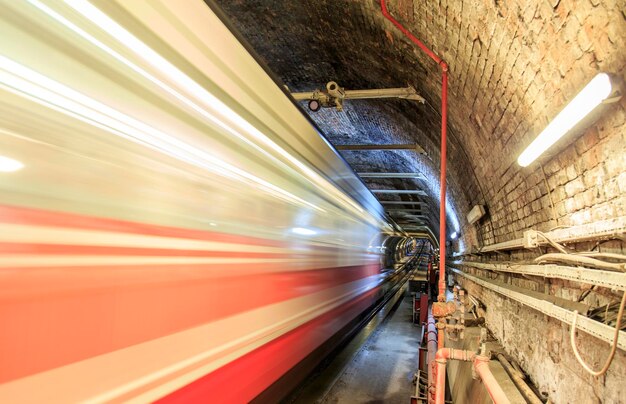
<point>26,82</point>
<point>181,79</point>
<point>303,231</point>
<point>9,165</point>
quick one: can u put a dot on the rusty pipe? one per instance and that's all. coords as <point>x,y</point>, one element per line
<point>408,34</point>
<point>481,366</point>
<point>527,392</point>
<point>444,120</point>
<point>441,358</point>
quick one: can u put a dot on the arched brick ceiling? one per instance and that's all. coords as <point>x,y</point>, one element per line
<point>513,66</point>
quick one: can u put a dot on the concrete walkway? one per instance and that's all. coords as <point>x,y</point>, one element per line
<point>382,370</point>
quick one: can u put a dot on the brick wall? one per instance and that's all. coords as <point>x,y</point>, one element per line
<point>541,344</point>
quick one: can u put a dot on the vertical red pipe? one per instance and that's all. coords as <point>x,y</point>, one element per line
<point>444,122</point>
<point>442,190</point>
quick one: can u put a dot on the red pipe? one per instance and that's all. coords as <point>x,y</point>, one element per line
<point>441,358</point>
<point>444,120</point>
<point>481,366</point>
<point>442,190</point>
<point>413,38</point>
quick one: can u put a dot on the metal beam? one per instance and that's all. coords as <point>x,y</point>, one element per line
<point>602,230</point>
<point>399,191</point>
<point>392,175</point>
<point>416,147</point>
<point>403,210</point>
<point>595,328</point>
<point>403,203</point>
<point>607,279</point>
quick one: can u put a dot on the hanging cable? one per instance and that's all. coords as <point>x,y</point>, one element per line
<point>613,347</point>
<point>596,254</point>
<point>552,242</point>
<point>581,260</point>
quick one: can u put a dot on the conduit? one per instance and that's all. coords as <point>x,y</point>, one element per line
<point>580,260</point>
<point>444,119</point>
<point>592,327</point>
<point>601,230</point>
<point>607,279</point>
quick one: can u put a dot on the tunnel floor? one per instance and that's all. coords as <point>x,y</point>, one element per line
<point>379,370</point>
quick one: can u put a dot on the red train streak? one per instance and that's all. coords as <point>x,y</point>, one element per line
<point>245,378</point>
<point>53,316</point>
<point>21,215</point>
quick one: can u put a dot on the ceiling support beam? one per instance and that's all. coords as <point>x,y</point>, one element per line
<point>403,203</point>
<point>393,175</point>
<point>399,191</point>
<point>417,148</point>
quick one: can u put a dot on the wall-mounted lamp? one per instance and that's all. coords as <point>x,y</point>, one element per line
<point>594,93</point>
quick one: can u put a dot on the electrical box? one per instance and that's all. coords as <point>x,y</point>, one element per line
<point>530,239</point>
<point>475,214</point>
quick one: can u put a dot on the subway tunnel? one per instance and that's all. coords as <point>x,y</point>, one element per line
<point>312,201</point>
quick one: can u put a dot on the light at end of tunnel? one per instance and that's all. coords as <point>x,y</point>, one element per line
<point>453,236</point>
<point>303,231</point>
<point>9,165</point>
<point>596,91</point>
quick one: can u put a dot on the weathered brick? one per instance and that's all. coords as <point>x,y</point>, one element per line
<point>574,187</point>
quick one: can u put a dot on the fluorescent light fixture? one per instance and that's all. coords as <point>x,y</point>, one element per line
<point>303,231</point>
<point>453,236</point>
<point>9,165</point>
<point>598,89</point>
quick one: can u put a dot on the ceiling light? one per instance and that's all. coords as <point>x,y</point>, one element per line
<point>9,165</point>
<point>598,89</point>
<point>453,236</point>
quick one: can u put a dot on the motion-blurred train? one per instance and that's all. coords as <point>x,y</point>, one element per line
<point>172,227</point>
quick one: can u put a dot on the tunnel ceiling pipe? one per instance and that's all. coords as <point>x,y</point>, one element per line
<point>444,120</point>
<point>334,95</point>
<point>412,146</point>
